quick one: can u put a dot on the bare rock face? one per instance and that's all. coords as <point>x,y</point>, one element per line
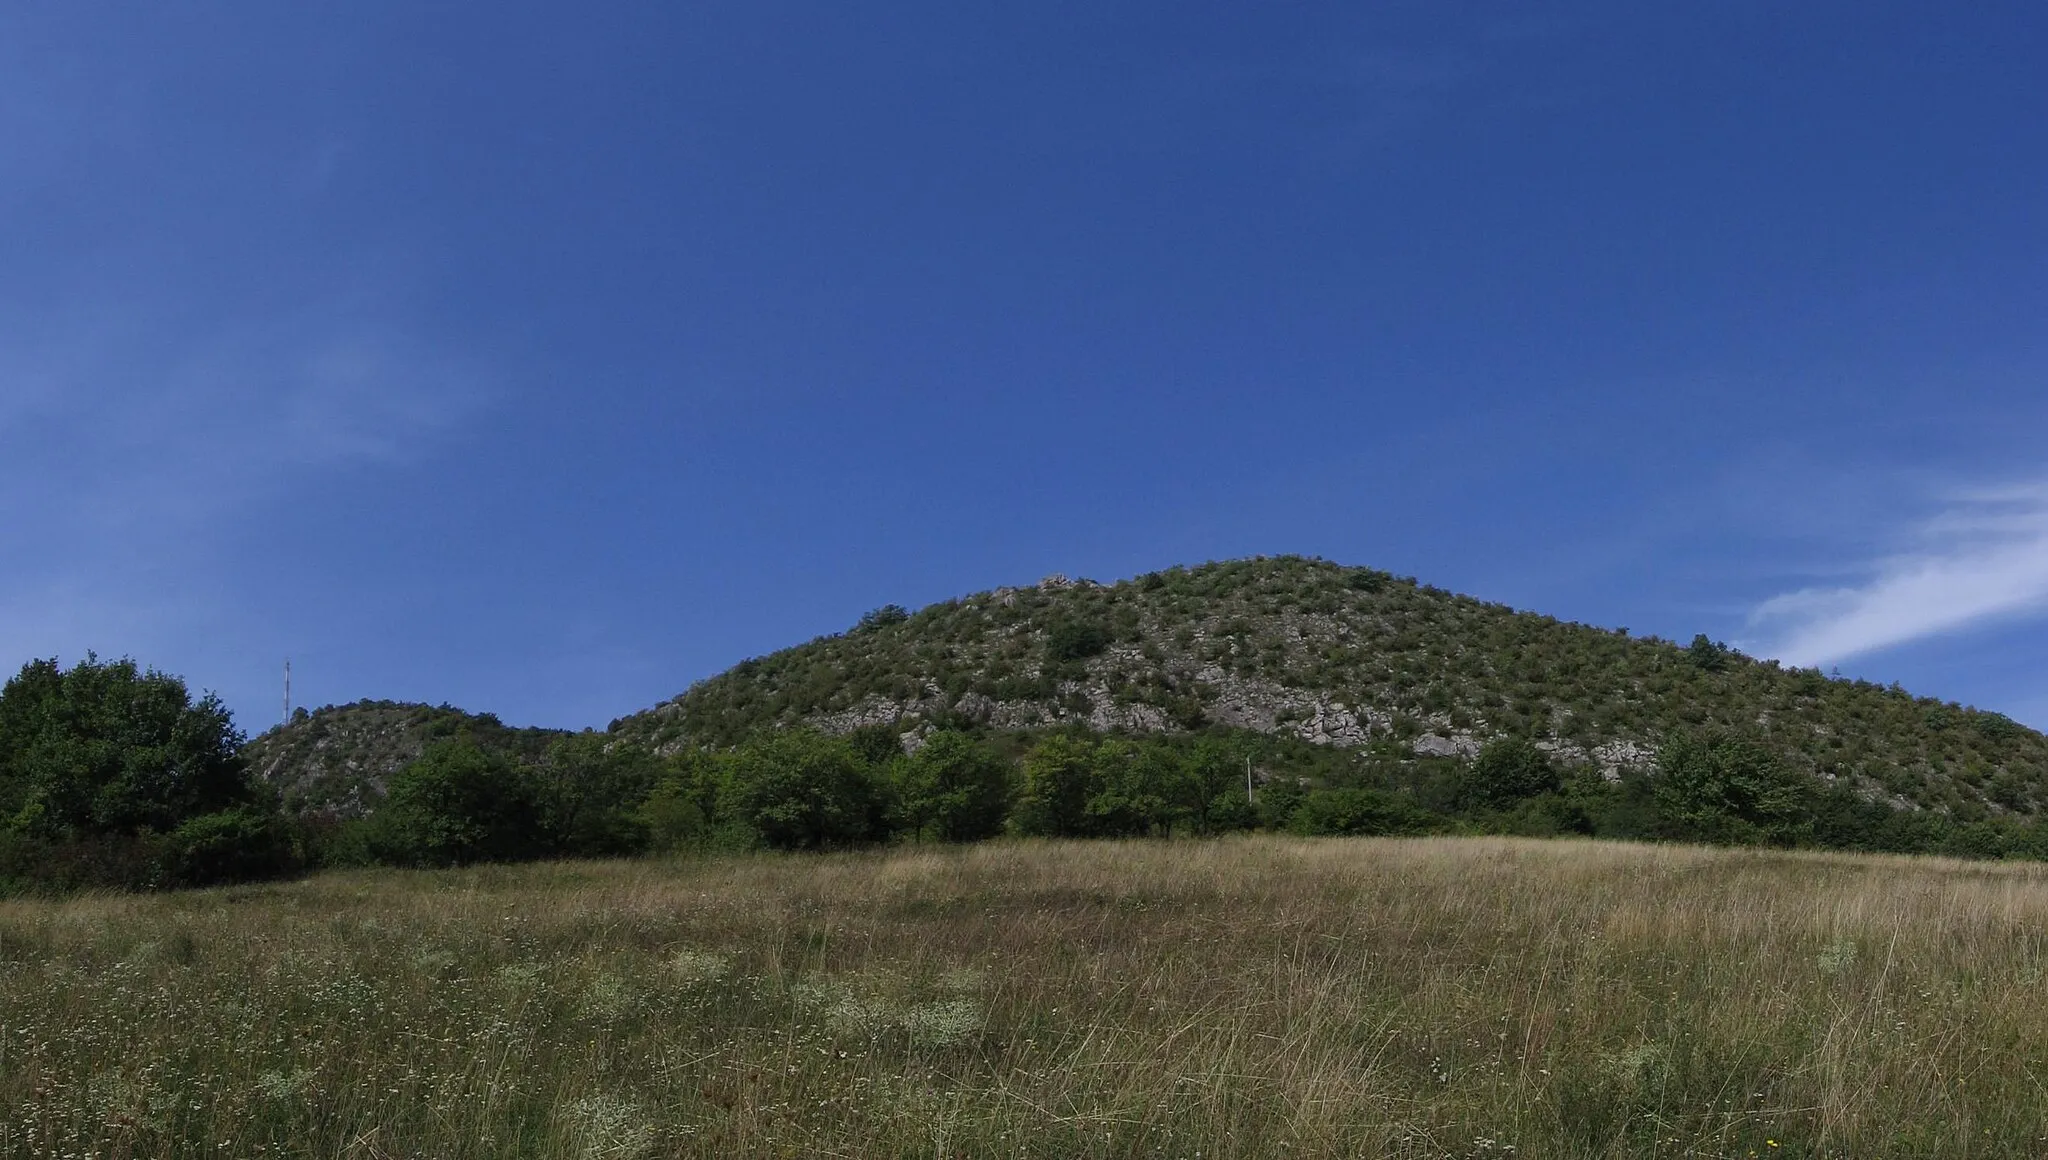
<point>1456,745</point>
<point>1618,757</point>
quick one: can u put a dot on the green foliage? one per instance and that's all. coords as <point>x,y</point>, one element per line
<point>1230,812</point>
<point>1070,639</point>
<point>802,790</point>
<point>883,617</point>
<point>459,803</point>
<point>105,749</point>
<point>1722,789</point>
<point>1060,778</point>
<point>1507,771</point>
<point>1277,801</point>
<point>1708,655</point>
<point>236,845</point>
<point>1213,772</point>
<point>878,745</point>
<point>113,776</point>
<point>680,810</point>
<point>955,788</point>
<point>1138,790</point>
<point>589,792</point>
<point>1359,812</point>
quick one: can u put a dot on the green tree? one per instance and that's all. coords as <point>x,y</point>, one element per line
<point>1708,654</point>
<point>1506,771</point>
<point>106,749</point>
<point>1135,789</point>
<point>1721,789</point>
<point>1060,779</point>
<point>1214,773</point>
<point>955,788</point>
<point>459,803</point>
<point>589,791</point>
<point>682,807</point>
<point>1230,812</point>
<point>802,790</point>
<point>883,617</point>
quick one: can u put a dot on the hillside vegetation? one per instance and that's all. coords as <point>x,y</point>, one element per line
<point>1242,998</point>
<point>1288,694</point>
<point>338,760</point>
<point>1351,658</point>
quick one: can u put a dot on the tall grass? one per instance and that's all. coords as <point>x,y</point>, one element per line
<point>1245,997</point>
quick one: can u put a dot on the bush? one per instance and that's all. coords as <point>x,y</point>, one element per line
<point>1230,812</point>
<point>589,794</point>
<point>1278,799</point>
<point>1507,771</point>
<point>238,845</point>
<point>883,617</point>
<point>1070,640</point>
<point>1136,788</point>
<point>1359,811</point>
<point>681,808</point>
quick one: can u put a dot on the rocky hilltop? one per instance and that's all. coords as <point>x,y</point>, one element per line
<point>1347,657</point>
<point>335,760</point>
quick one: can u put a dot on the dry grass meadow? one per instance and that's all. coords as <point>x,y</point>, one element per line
<point>1262,997</point>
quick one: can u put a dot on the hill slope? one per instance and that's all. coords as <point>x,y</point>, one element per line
<point>1348,657</point>
<point>336,760</point>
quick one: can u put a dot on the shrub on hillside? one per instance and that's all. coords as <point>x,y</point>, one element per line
<point>1070,640</point>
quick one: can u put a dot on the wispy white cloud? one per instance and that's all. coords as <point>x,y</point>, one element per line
<point>1983,557</point>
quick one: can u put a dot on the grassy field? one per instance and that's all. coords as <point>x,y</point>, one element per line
<point>1252,997</point>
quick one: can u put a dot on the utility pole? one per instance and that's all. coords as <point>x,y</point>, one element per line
<point>287,690</point>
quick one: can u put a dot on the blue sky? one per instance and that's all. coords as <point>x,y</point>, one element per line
<point>543,360</point>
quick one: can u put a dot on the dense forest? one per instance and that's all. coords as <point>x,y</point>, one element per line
<point>1281,694</point>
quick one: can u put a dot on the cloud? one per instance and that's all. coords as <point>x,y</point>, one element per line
<point>1984,557</point>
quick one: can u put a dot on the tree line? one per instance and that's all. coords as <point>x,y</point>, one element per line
<point>112,775</point>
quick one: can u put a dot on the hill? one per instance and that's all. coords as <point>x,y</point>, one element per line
<point>1349,657</point>
<point>336,760</point>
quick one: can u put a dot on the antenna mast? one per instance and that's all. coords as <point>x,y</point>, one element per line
<point>287,690</point>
